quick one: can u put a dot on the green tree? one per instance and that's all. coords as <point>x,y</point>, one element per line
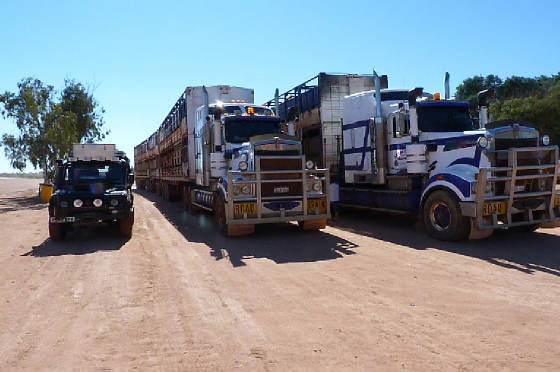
<point>470,87</point>
<point>48,123</point>
<point>518,87</point>
<point>543,111</point>
<point>78,99</point>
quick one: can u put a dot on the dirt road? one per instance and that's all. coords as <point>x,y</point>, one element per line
<point>368,293</point>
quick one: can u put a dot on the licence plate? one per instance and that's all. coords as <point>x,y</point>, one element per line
<point>241,208</point>
<point>490,207</point>
<point>320,204</point>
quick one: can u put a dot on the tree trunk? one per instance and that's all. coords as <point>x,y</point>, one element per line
<point>45,172</point>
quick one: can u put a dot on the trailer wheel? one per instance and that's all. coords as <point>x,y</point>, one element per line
<point>57,231</point>
<point>187,199</point>
<point>125,225</point>
<point>442,217</point>
<point>220,214</point>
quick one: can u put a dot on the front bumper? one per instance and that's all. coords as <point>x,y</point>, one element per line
<point>513,207</point>
<point>90,216</point>
<point>272,209</point>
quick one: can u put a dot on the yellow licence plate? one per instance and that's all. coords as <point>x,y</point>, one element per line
<point>241,208</point>
<point>490,207</point>
<point>320,204</point>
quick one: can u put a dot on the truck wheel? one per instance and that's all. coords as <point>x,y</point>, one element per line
<point>442,217</point>
<point>220,214</point>
<point>57,231</point>
<point>189,206</point>
<point>125,225</point>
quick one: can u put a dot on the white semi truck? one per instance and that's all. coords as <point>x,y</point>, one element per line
<point>424,155</point>
<point>222,153</point>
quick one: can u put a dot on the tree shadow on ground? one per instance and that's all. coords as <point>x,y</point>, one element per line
<point>17,203</point>
<point>281,243</point>
<point>81,240</point>
<point>525,252</point>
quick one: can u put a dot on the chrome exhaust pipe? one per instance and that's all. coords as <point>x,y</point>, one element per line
<point>276,100</point>
<point>378,137</point>
<point>446,85</point>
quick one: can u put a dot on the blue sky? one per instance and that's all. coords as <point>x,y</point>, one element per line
<point>140,55</point>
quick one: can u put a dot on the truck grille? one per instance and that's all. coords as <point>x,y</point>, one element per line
<point>506,143</point>
<point>281,189</point>
<point>281,164</point>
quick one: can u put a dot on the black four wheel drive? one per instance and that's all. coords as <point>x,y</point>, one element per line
<point>90,192</point>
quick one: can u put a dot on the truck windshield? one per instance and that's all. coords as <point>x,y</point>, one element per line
<point>239,131</point>
<point>444,119</point>
<point>108,173</point>
<point>260,110</point>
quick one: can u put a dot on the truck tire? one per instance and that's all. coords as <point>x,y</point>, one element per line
<point>442,217</point>
<point>165,191</point>
<point>220,214</point>
<point>57,231</point>
<point>189,206</point>
<point>125,225</point>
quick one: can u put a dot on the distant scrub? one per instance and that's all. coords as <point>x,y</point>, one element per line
<point>38,175</point>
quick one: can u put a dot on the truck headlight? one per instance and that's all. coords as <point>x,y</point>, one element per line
<point>482,142</point>
<point>488,189</point>
<point>78,203</point>
<point>243,165</point>
<point>314,185</point>
<point>63,204</point>
<point>97,203</point>
<point>242,190</point>
<point>317,186</point>
<point>309,164</point>
<point>545,140</point>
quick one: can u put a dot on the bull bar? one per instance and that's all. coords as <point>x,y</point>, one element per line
<point>518,203</point>
<point>255,180</point>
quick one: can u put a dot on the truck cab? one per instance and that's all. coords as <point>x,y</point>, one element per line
<point>249,172</point>
<point>425,155</point>
<point>92,186</point>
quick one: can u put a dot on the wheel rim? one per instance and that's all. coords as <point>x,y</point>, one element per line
<point>440,216</point>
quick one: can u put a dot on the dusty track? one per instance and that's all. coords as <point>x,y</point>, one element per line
<point>368,293</point>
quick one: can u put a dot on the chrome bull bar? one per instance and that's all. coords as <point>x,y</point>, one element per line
<point>521,207</point>
<point>256,179</point>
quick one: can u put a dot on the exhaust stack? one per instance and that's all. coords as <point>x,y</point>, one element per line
<point>446,85</point>
<point>206,142</point>
<point>276,104</point>
<point>379,147</point>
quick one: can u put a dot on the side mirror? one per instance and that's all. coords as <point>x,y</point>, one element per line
<point>131,178</point>
<point>484,97</point>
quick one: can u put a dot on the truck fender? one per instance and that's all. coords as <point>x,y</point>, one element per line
<point>457,179</point>
<point>221,190</point>
<point>440,185</point>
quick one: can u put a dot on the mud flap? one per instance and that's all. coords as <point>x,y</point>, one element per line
<point>237,230</point>
<point>475,233</point>
<point>314,224</point>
